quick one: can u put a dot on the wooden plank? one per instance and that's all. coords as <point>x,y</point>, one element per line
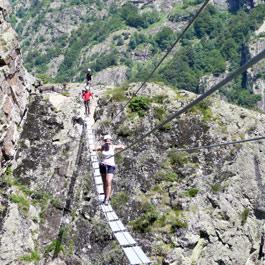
<point>95,165</point>
<point>111,216</point>
<point>98,180</point>
<point>131,255</point>
<point>96,172</point>
<point>94,159</point>
<point>139,252</point>
<point>91,147</point>
<point>121,239</point>
<point>124,238</point>
<point>106,208</point>
<point>117,226</point>
<point>129,238</point>
<point>100,189</point>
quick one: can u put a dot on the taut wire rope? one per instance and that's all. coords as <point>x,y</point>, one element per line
<point>219,85</point>
<point>220,144</point>
<point>164,57</point>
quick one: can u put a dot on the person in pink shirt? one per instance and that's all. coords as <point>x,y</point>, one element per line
<point>87,95</point>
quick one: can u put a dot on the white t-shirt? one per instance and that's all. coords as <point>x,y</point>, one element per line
<point>108,156</point>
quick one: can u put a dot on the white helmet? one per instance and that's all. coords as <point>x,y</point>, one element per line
<point>89,70</point>
<point>107,137</point>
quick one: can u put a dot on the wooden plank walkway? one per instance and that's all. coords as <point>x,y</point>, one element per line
<point>133,252</point>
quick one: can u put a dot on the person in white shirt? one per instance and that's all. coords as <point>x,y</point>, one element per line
<point>107,166</point>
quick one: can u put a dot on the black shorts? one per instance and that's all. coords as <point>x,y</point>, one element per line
<point>105,169</point>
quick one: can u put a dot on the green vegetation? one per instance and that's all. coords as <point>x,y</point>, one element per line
<point>216,187</point>
<point>66,93</point>
<point>130,14</point>
<point>165,38</point>
<point>159,99</point>
<point>203,109</point>
<point>159,113</point>
<point>119,199</point>
<point>166,175</point>
<point>8,173</point>
<point>192,192</point>
<point>22,202</point>
<point>45,78</point>
<point>161,249</point>
<point>124,131</point>
<point>178,158</point>
<point>117,94</point>
<point>171,221</point>
<point>244,216</point>
<point>166,127</point>
<point>137,39</point>
<point>144,223</point>
<point>140,104</point>
<point>59,245</point>
<point>179,13</point>
<point>25,196</point>
<point>105,61</point>
<point>33,256</point>
<point>240,96</point>
<point>155,220</point>
<point>222,38</point>
<point>55,247</point>
<point>214,44</point>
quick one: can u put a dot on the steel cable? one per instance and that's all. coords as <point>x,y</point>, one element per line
<point>164,57</point>
<point>219,85</point>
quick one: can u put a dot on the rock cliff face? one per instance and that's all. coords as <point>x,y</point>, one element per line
<point>203,207</point>
<point>256,77</point>
<point>15,86</point>
<point>48,208</point>
<point>235,5</point>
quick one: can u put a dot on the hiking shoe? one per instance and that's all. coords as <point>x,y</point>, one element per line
<point>106,202</point>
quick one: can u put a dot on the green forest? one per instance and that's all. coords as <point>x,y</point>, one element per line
<point>213,45</point>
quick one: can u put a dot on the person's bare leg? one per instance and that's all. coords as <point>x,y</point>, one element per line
<point>103,176</point>
<point>109,178</point>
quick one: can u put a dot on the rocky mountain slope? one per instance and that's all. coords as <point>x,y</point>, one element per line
<point>61,40</point>
<point>203,207</point>
<point>15,86</point>
<point>51,215</point>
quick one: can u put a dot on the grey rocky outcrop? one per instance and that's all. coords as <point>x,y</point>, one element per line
<point>203,207</point>
<point>113,76</point>
<point>256,76</point>
<point>15,86</point>
<point>49,212</point>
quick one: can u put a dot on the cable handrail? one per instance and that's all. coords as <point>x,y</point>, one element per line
<point>188,149</point>
<point>217,86</point>
<point>165,55</point>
